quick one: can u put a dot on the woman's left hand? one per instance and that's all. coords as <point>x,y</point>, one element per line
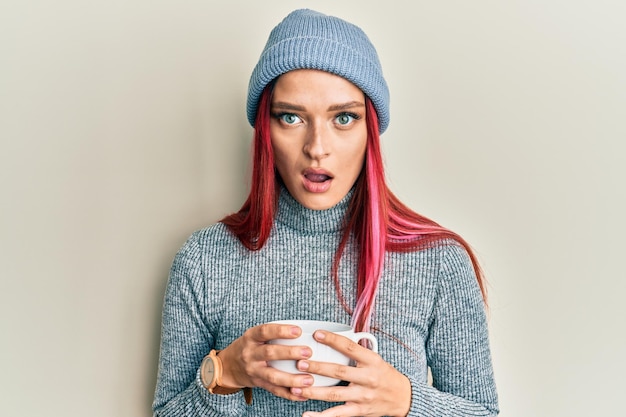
<point>375,387</point>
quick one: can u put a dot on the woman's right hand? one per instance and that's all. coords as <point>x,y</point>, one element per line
<point>245,361</point>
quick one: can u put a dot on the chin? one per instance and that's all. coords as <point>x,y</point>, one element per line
<point>318,202</point>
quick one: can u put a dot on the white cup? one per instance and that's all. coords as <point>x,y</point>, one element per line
<point>320,352</point>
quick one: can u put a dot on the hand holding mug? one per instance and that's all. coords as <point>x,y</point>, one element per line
<point>246,359</point>
<point>375,387</point>
<point>319,351</point>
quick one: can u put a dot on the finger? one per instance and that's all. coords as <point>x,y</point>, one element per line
<point>337,394</point>
<point>282,392</point>
<point>344,345</point>
<point>279,383</point>
<point>269,331</point>
<point>332,370</point>
<point>333,394</point>
<point>265,353</point>
<point>275,377</point>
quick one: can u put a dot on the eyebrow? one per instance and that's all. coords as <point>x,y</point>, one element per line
<point>335,107</point>
<point>287,106</point>
<point>345,106</point>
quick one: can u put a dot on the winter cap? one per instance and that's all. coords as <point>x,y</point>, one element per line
<point>307,39</point>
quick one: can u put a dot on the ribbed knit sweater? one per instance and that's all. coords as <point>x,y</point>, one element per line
<point>429,299</point>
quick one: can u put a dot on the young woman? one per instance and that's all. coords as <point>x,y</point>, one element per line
<point>322,237</point>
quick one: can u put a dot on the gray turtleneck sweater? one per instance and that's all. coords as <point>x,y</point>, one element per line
<point>428,299</point>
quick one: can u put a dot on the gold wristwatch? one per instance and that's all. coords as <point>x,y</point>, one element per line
<point>211,376</point>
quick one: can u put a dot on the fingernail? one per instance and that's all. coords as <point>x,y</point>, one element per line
<point>306,352</point>
<point>320,335</point>
<point>303,365</point>
<point>308,381</point>
<point>296,391</point>
<point>295,331</point>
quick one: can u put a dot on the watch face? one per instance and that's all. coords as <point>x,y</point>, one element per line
<point>208,371</point>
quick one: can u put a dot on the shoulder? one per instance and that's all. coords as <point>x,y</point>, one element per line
<point>442,255</point>
<point>457,278</point>
<point>443,263</point>
<point>206,246</point>
<point>214,238</point>
<point>454,258</point>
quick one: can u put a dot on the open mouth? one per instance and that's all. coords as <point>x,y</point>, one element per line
<point>317,177</point>
<point>317,180</point>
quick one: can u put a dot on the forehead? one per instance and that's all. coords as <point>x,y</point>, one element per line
<point>315,85</point>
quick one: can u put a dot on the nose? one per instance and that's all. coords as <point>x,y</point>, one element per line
<point>315,146</point>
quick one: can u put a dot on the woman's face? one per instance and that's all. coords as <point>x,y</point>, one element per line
<point>319,135</point>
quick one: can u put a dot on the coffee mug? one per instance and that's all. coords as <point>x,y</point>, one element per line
<point>320,352</point>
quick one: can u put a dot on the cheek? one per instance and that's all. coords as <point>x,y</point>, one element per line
<point>353,162</point>
<point>358,165</point>
<point>358,154</point>
<point>282,145</point>
<point>283,158</point>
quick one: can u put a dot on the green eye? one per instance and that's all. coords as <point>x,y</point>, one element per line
<point>289,118</point>
<point>345,119</point>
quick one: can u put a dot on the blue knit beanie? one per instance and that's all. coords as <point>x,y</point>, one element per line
<point>307,39</point>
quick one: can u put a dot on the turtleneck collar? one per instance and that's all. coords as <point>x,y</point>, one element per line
<point>295,215</point>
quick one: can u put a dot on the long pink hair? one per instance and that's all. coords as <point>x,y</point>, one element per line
<point>379,221</point>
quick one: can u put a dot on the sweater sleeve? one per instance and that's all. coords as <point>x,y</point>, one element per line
<point>185,340</point>
<point>457,348</point>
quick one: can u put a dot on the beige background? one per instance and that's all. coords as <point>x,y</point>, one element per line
<point>122,129</point>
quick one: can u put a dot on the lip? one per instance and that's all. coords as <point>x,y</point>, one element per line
<point>316,180</point>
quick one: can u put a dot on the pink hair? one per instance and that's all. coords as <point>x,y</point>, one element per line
<point>379,220</point>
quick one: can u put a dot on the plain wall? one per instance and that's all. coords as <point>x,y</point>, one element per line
<point>122,129</point>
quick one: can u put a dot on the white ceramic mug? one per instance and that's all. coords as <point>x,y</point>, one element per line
<point>320,352</point>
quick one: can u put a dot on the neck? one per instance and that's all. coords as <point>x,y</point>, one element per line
<point>296,216</point>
